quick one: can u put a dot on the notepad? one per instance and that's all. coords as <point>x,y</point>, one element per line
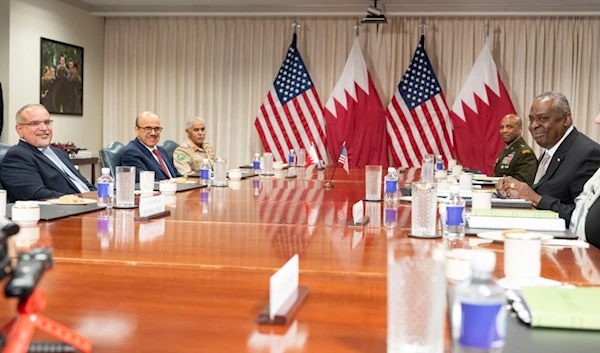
<point>560,307</point>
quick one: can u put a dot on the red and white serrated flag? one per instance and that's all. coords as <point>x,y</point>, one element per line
<point>418,120</point>
<point>291,115</point>
<point>476,115</point>
<point>354,114</point>
<point>312,156</point>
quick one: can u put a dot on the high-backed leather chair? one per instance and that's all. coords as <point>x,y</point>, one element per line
<point>3,149</point>
<point>170,147</point>
<point>111,157</point>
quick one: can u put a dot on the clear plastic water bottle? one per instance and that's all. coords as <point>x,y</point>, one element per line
<point>478,313</point>
<point>390,186</point>
<point>439,162</point>
<point>205,172</point>
<point>106,188</point>
<point>292,159</point>
<point>256,162</point>
<point>454,216</point>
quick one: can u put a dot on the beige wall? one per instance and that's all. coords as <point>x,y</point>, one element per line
<point>32,19</point>
<point>4,54</point>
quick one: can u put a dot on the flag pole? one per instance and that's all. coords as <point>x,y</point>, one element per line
<point>329,184</point>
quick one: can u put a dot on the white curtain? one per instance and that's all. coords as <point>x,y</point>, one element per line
<point>222,68</point>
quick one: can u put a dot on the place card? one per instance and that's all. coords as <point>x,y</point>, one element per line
<point>358,215</point>
<point>285,296</point>
<point>152,207</point>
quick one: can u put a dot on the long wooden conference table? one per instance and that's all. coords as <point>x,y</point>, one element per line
<point>195,281</point>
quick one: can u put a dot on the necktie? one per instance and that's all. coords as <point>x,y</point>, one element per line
<point>542,168</point>
<point>62,166</point>
<point>161,162</point>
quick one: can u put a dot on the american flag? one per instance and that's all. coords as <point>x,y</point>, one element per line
<point>343,160</point>
<point>418,120</point>
<point>291,115</point>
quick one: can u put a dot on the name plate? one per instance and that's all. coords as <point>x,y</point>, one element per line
<point>283,284</point>
<point>358,211</point>
<point>152,205</point>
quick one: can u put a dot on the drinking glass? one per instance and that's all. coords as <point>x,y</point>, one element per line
<point>147,182</point>
<point>416,286</point>
<point>423,212</point>
<point>220,168</point>
<point>301,158</point>
<point>373,181</point>
<point>427,168</point>
<point>125,186</point>
<point>267,165</point>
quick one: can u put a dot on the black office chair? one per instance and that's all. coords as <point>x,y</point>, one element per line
<point>170,147</point>
<point>111,156</point>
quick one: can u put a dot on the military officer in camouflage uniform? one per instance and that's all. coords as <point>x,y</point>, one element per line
<point>517,158</point>
<point>189,155</point>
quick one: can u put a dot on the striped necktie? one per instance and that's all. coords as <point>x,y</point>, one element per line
<point>542,168</point>
<point>62,166</point>
<point>161,162</point>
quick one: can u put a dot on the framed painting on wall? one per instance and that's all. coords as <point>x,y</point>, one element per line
<point>61,84</point>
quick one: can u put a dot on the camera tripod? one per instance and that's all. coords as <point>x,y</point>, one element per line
<point>19,330</point>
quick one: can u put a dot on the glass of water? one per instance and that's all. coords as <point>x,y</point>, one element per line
<point>301,158</point>
<point>424,210</point>
<point>373,182</point>
<point>267,164</point>
<point>416,291</point>
<point>220,167</point>
<point>125,187</point>
<point>427,168</point>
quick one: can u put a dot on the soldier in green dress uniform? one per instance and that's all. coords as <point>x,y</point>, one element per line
<point>517,158</point>
<point>188,157</point>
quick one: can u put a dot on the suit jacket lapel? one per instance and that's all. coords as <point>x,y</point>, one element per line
<point>39,155</point>
<point>558,157</point>
<point>149,154</point>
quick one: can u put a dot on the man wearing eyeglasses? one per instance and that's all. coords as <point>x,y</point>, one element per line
<point>32,170</point>
<point>143,152</point>
<point>569,159</point>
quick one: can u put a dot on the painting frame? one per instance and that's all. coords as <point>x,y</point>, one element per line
<point>61,77</point>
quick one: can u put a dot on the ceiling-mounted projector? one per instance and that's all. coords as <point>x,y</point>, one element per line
<point>374,15</point>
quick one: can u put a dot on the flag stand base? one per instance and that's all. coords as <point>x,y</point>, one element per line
<point>328,185</point>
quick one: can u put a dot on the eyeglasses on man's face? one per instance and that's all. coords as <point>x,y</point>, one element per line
<point>149,129</point>
<point>37,123</point>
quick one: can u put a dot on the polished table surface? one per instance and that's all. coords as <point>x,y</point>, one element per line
<point>195,281</point>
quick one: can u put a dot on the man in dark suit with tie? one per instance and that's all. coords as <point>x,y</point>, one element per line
<point>143,152</point>
<point>32,170</point>
<point>570,158</point>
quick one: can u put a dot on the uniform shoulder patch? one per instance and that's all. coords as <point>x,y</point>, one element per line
<point>525,151</point>
<point>180,156</point>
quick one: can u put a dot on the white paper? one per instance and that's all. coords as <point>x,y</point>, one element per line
<point>283,284</point>
<point>152,205</point>
<point>358,212</point>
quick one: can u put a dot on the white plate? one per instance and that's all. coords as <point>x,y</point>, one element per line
<point>497,235</point>
<point>83,202</point>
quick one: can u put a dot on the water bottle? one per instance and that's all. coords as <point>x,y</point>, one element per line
<point>439,162</point>
<point>427,169</point>
<point>205,172</point>
<point>454,216</point>
<point>390,181</point>
<point>106,187</point>
<point>478,313</point>
<point>256,162</point>
<point>292,159</point>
